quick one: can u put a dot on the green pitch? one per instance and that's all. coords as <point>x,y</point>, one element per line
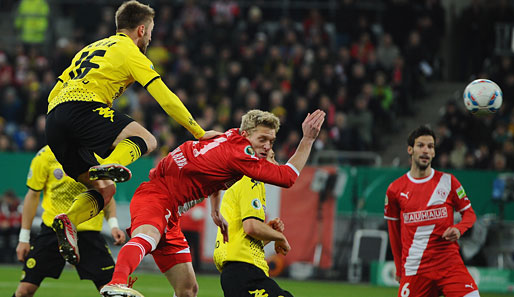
<point>155,285</point>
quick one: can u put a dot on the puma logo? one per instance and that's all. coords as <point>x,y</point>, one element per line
<point>469,286</point>
<point>406,195</point>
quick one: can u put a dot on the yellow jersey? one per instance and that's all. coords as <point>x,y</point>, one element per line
<point>59,190</point>
<point>103,70</point>
<point>244,200</point>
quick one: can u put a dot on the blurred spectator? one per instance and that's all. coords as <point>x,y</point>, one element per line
<point>10,222</point>
<point>387,52</point>
<point>32,21</point>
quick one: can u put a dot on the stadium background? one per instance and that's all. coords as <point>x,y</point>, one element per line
<point>378,68</point>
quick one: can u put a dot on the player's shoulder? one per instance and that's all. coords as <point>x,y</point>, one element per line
<point>399,182</point>
<point>44,154</point>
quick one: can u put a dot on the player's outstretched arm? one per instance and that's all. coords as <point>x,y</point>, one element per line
<point>262,231</point>
<point>110,216</point>
<point>174,107</point>
<point>216,216</point>
<point>30,204</point>
<point>311,127</point>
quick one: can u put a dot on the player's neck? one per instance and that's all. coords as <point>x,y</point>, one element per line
<point>132,34</point>
<point>417,172</point>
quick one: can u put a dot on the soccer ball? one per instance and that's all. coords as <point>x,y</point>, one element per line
<point>483,96</point>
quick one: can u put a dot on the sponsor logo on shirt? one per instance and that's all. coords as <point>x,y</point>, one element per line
<point>179,158</point>
<point>188,205</point>
<point>249,150</point>
<point>425,215</point>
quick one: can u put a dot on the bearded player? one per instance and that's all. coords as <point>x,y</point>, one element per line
<point>419,207</point>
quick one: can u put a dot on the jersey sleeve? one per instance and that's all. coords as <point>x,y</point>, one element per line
<point>242,159</point>
<point>38,173</point>
<point>459,196</point>
<point>141,68</point>
<point>250,200</point>
<point>391,207</point>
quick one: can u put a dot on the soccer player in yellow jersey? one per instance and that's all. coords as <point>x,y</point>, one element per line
<point>81,121</point>
<point>41,256</point>
<point>244,271</point>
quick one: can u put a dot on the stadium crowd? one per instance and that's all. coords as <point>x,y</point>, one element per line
<point>364,69</point>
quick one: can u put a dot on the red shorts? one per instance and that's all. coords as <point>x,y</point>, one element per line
<point>454,281</point>
<point>151,205</point>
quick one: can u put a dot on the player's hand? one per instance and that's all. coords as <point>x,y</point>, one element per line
<point>220,221</point>
<point>451,234</point>
<point>312,124</point>
<point>210,134</point>
<point>282,247</point>
<point>271,157</point>
<point>277,224</point>
<point>22,250</point>
<point>118,236</point>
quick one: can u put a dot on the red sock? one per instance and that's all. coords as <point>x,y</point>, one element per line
<point>129,258</point>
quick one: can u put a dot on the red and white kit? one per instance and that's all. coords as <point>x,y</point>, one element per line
<point>418,212</point>
<point>195,170</point>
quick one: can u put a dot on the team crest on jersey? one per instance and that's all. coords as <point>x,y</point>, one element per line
<point>58,173</point>
<point>249,150</point>
<point>256,203</point>
<point>31,263</point>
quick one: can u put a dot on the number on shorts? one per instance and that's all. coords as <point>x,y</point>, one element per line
<point>405,290</point>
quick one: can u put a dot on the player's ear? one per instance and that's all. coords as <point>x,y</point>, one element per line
<point>141,30</point>
<point>244,133</point>
<point>409,150</point>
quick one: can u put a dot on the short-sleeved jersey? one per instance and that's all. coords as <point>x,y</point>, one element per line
<point>197,169</point>
<point>59,190</point>
<point>246,199</point>
<point>102,71</point>
<point>425,209</point>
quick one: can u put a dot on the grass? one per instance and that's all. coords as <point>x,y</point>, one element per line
<point>155,285</point>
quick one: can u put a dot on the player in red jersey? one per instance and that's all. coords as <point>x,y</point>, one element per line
<point>193,171</point>
<point>419,208</point>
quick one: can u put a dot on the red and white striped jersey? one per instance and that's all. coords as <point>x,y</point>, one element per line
<point>424,209</point>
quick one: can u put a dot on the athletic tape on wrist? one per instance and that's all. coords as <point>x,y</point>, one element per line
<point>113,223</point>
<point>24,235</point>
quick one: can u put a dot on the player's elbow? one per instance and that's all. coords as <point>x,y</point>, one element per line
<point>250,227</point>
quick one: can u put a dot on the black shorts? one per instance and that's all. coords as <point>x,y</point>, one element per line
<point>239,279</point>
<point>44,259</point>
<point>76,130</point>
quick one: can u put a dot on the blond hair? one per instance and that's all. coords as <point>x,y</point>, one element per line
<point>132,14</point>
<point>256,117</point>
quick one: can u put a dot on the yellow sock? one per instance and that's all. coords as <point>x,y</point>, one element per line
<point>85,206</point>
<point>124,153</point>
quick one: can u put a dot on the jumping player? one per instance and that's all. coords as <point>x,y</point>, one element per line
<point>81,121</point>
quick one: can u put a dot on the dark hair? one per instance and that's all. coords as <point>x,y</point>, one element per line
<point>132,14</point>
<point>420,131</point>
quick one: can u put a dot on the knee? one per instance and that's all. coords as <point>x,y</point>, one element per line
<point>189,291</point>
<point>25,291</point>
<point>151,143</point>
<point>107,189</point>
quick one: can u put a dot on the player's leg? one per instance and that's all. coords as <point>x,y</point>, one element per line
<point>148,221</point>
<point>132,142</point>
<point>97,264</point>
<point>75,131</point>
<point>183,280</point>
<point>43,260</point>
<point>174,260</point>
<point>457,282</point>
<point>421,285</point>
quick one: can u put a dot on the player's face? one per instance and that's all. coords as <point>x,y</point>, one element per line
<point>423,151</point>
<point>262,140</point>
<point>147,37</point>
